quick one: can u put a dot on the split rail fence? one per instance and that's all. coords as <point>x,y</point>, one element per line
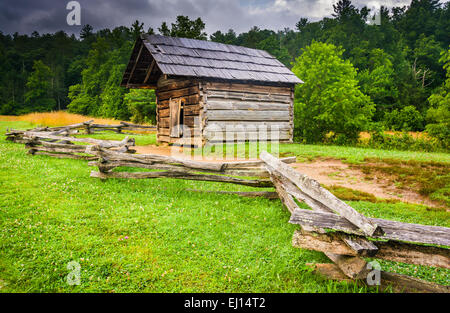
<point>58,142</point>
<point>344,235</point>
<point>89,127</point>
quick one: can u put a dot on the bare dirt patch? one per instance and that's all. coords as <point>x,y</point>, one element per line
<point>334,172</point>
<point>152,149</point>
<point>331,172</point>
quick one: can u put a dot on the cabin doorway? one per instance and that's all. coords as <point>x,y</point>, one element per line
<point>176,120</point>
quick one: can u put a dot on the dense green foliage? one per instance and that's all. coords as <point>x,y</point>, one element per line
<point>439,112</point>
<point>38,97</point>
<point>330,99</point>
<point>142,105</point>
<point>395,66</point>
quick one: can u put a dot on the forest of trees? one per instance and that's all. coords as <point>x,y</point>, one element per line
<point>358,75</point>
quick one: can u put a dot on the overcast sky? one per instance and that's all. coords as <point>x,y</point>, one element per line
<point>25,16</point>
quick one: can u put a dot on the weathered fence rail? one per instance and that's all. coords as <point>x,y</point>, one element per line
<point>349,242</point>
<point>228,172</point>
<point>57,143</point>
<point>87,127</point>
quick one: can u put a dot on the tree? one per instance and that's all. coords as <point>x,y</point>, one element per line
<point>330,99</point>
<point>38,97</point>
<point>301,24</point>
<point>378,82</point>
<point>426,55</point>
<point>86,32</point>
<point>227,38</point>
<point>343,9</point>
<point>184,27</point>
<point>141,104</point>
<point>137,29</point>
<point>406,119</point>
<point>439,113</point>
<point>99,93</point>
<point>273,45</point>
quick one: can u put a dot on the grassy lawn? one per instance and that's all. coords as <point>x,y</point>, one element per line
<point>357,155</point>
<point>154,236</point>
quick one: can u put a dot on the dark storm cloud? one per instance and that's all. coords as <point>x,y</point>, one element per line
<point>50,15</point>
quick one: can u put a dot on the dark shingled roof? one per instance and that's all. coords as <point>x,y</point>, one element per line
<point>206,59</point>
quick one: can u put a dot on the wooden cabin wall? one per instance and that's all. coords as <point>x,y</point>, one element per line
<point>231,104</point>
<point>185,89</point>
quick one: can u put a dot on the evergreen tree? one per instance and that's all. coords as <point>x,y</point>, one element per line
<point>38,98</point>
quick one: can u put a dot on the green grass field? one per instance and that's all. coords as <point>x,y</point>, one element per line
<point>154,236</point>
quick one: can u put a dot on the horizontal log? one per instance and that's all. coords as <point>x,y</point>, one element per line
<point>247,115</point>
<point>188,100</point>
<point>226,104</point>
<point>177,93</point>
<point>189,121</point>
<point>188,110</point>
<point>190,141</point>
<point>168,167</point>
<point>248,194</point>
<point>60,145</point>
<point>387,250</point>
<point>246,96</point>
<point>332,243</point>
<point>153,158</point>
<point>392,230</point>
<point>102,143</point>
<point>191,109</point>
<point>173,85</point>
<point>404,283</point>
<point>313,189</point>
<point>193,131</point>
<point>112,156</point>
<point>64,155</point>
<point>413,254</point>
<point>172,174</point>
<point>216,86</point>
<point>131,125</point>
<point>105,126</point>
<point>248,126</point>
<point>241,136</point>
<point>398,282</point>
<point>61,150</point>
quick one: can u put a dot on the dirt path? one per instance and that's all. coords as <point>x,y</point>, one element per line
<point>334,172</point>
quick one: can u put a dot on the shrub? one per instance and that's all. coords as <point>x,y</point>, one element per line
<point>406,119</point>
<point>142,105</point>
<point>381,140</point>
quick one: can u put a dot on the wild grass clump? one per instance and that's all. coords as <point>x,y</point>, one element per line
<point>56,118</point>
<point>403,141</point>
<point>428,178</point>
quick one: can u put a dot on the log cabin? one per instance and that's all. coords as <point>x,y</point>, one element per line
<point>209,92</point>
